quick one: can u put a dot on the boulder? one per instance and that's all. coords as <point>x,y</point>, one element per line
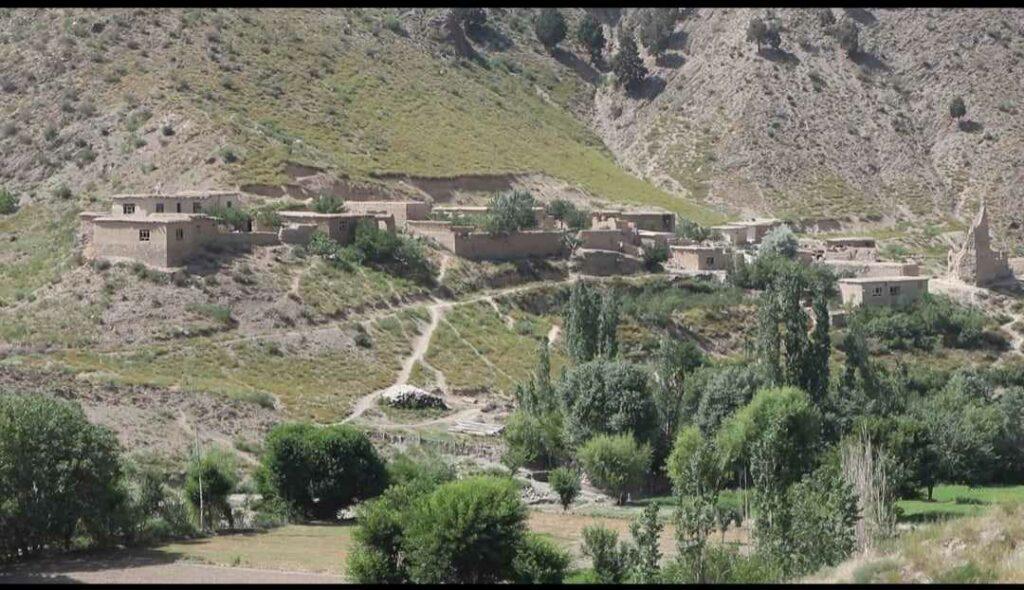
<point>407,396</point>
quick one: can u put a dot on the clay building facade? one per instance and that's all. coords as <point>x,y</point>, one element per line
<point>882,290</point>
<point>700,258</point>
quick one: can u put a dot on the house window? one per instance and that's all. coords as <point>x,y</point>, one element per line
<point>179,233</point>
<point>128,208</point>
<point>876,292</point>
<point>143,235</point>
<point>228,204</point>
<point>159,207</point>
<point>710,260</point>
<point>894,290</point>
<point>179,207</point>
<point>196,207</point>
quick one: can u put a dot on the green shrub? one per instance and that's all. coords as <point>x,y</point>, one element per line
<point>466,531</point>
<point>62,192</point>
<point>569,214</point>
<point>8,202</point>
<point>318,471</point>
<point>213,311</point>
<point>237,219</point>
<point>267,217</point>
<point>616,463</point>
<point>611,559</point>
<point>654,256</point>
<point>550,27</point>
<point>328,204</point>
<point>538,561</point>
<point>565,483</point>
<point>536,440</point>
<point>511,211</point>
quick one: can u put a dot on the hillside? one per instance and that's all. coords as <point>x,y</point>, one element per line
<point>806,130</point>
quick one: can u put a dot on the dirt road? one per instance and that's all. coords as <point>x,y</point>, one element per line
<point>148,567</point>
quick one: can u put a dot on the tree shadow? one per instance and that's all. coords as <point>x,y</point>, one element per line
<point>778,55</point>
<point>648,89</point>
<point>670,60</point>
<point>869,61</point>
<point>677,40</point>
<point>492,39</point>
<point>862,16</point>
<point>572,61</point>
<point>54,569</point>
<point>970,126</point>
<point>930,517</point>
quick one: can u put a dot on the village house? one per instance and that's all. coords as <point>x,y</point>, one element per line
<point>700,257</point>
<point>163,241</point>
<point>401,211</point>
<point>749,232</point>
<point>882,290</point>
<point>185,203</point>
<point>655,221</point>
<point>872,268</point>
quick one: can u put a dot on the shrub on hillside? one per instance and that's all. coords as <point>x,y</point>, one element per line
<point>59,476</point>
<point>616,463</point>
<point>328,204</point>
<point>318,471</point>
<point>401,255</point>
<point>550,27</point>
<point>8,202</point>
<point>237,219</point>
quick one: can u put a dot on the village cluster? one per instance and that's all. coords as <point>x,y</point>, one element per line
<point>165,231</point>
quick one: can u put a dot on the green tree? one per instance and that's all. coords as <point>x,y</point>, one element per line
<point>319,470</point>
<point>550,27</point>
<point>957,108</point>
<point>590,35</point>
<point>8,202</point>
<point>609,397</point>
<point>534,439</point>
<point>697,480</point>
<point>58,474</point>
<point>466,531</point>
<point>655,27</point>
<point>607,326</point>
<point>674,360</point>
<point>610,559</point>
<point>729,389</point>
<point>779,242</point>
<point>473,20</point>
<point>566,483</point>
<point>209,481</point>
<point>511,211</point>
<point>580,318</point>
<point>539,561</point>
<point>615,463</point>
<point>629,69</point>
<point>645,530</point>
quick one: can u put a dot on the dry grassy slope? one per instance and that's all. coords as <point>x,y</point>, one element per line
<point>755,133</point>
<point>245,91</point>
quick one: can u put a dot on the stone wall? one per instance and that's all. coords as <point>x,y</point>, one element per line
<point>606,263</point>
<point>512,246</point>
<point>296,233</point>
<point>403,211</point>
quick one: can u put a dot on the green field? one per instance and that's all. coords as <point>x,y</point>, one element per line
<point>951,501</point>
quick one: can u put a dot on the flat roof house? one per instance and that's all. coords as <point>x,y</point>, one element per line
<point>340,227</point>
<point>882,290</point>
<point>659,221</point>
<point>699,257</point>
<point>191,202</point>
<point>164,241</point>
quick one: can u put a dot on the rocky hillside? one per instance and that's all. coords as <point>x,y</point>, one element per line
<point>807,129</point>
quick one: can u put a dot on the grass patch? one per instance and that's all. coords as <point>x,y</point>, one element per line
<point>41,251</point>
<point>953,501</point>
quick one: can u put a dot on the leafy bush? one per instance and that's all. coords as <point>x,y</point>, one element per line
<point>610,559</point>
<point>267,217</point>
<point>212,477</point>
<point>59,475</point>
<point>566,483</point>
<point>616,463</point>
<point>538,561</point>
<point>62,192</point>
<point>8,202</point>
<point>534,439</point>
<point>628,66</point>
<point>550,27</point>
<point>213,311</point>
<point>511,211</point>
<point>590,35</point>
<point>237,219</point>
<point>400,255</point>
<point>318,471</point>
<point>569,214</point>
<point>924,323</point>
<point>779,242</point>
<point>655,256</point>
<point>328,204</point>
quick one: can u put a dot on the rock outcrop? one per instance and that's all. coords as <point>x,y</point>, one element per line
<point>976,263</point>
